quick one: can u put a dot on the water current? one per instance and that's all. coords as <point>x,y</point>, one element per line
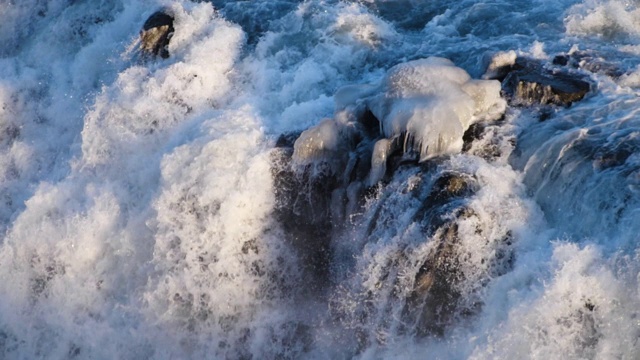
<point>294,182</point>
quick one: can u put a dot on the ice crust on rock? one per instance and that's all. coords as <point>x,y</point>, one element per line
<point>381,151</point>
<point>434,101</point>
<point>431,102</point>
<point>323,141</point>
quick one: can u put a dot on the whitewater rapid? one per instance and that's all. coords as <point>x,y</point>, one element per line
<point>230,201</point>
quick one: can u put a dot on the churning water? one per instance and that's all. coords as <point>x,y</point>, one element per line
<point>292,182</point>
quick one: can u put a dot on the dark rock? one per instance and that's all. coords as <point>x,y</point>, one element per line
<point>156,34</point>
<point>303,208</point>
<point>287,140</point>
<point>607,152</point>
<point>434,297</point>
<point>371,124</point>
<point>402,154</point>
<point>491,145</point>
<point>530,83</point>
<point>545,114</point>
<point>449,186</point>
<point>499,65</point>
<point>441,294</point>
<point>473,133</point>
<point>609,158</point>
<point>435,301</point>
<point>447,193</point>
<point>561,60</point>
<point>588,61</point>
<point>314,199</point>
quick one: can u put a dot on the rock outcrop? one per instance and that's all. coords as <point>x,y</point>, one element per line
<point>156,34</point>
<point>324,176</point>
<point>528,81</point>
<point>588,61</point>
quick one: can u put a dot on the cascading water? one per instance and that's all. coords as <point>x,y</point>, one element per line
<point>319,179</point>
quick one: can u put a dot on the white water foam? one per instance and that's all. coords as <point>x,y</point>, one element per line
<point>608,19</point>
<point>137,198</point>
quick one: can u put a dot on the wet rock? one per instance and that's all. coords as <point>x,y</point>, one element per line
<point>423,280</point>
<point>473,133</point>
<point>436,300</point>
<point>156,34</point>
<point>371,124</point>
<point>545,114</point>
<point>434,297</point>
<point>485,140</point>
<point>528,82</point>
<point>287,140</point>
<point>448,193</point>
<point>607,152</point>
<point>588,61</point>
<point>314,198</point>
<point>303,204</point>
<point>498,65</point>
<point>448,187</point>
<point>612,157</point>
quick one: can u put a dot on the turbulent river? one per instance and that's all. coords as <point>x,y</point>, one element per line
<point>317,180</point>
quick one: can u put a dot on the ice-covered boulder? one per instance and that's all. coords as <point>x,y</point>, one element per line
<point>155,35</point>
<point>328,141</point>
<point>434,102</point>
<point>417,111</point>
<point>428,104</point>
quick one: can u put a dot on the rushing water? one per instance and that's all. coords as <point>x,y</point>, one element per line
<point>151,209</point>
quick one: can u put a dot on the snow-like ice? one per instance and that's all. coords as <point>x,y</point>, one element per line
<point>430,101</point>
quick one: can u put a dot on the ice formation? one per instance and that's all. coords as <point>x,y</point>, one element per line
<point>430,102</point>
<point>434,101</point>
